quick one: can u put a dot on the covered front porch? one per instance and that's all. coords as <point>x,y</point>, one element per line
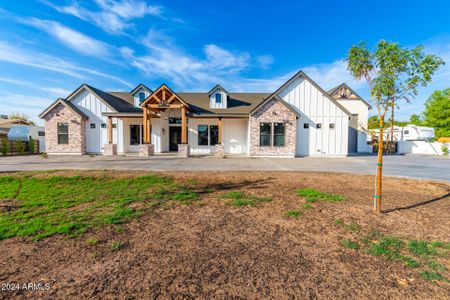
<point>167,125</point>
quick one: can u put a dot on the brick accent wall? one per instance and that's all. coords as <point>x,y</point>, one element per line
<point>77,131</point>
<point>273,111</point>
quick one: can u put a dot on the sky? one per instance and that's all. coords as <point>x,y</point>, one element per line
<point>49,48</point>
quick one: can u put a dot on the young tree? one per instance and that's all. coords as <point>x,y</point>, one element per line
<point>437,112</point>
<point>393,73</point>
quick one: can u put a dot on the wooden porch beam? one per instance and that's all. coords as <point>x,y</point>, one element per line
<point>219,125</point>
<point>183,125</point>
<point>170,106</point>
<point>144,122</point>
<point>110,130</point>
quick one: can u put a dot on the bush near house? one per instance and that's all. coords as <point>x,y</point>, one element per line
<point>4,146</point>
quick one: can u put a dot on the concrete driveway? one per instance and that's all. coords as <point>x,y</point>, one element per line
<point>426,167</point>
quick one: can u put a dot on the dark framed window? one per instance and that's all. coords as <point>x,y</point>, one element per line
<point>63,133</point>
<point>265,134</point>
<point>141,97</point>
<point>114,125</point>
<point>218,98</point>
<point>306,125</point>
<point>406,132</point>
<point>278,134</point>
<point>213,135</point>
<point>135,134</point>
<point>319,126</point>
<point>41,133</point>
<point>103,125</point>
<point>92,125</point>
<point>203,135</point>
<point>331,125</point>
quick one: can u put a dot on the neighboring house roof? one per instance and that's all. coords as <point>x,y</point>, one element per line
<point>279,99</point>
<point>238,104</point>
<point>7,123</point>
<point>302,74</point>
<point>141,85</point>
<point>332,91</point>
<point>65,103</point>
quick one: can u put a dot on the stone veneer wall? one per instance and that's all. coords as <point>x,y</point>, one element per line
<point>77,131</point>
<point>273,111</point>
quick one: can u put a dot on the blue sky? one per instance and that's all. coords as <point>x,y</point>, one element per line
<point>48,48</point>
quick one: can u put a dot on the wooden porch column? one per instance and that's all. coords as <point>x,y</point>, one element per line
<point>183,125</point>
<point>149,127</point>
<point>144,122</point>
<point>110,130</point>
<point>219,125</point>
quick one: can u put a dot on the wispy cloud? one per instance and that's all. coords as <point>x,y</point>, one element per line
<point>71,38</point>
<point>164,59</point>
<point>113,16</point>
<point>17,55</point>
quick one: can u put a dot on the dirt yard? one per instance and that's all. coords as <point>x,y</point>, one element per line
<point>284,247</point>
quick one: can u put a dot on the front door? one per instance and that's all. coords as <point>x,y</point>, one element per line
<point>174,138</point>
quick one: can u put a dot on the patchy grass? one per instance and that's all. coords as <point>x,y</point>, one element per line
<point>347,243</point>
<point>421,248</point>
<point>117,245</point>
<point>293,213</point>
<point>414,253</point>
<point>312,195</point>
<point>72,205</point>
<point>307,206</point>
<point>92,241</point>
<point>239,199</point>
<point>431,276</point>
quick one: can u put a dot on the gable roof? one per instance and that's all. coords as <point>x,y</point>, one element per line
<point>218,86</point>
<point>302,74</point>
<point>164,86</point>
<point>333,90</point>
<point>276,97</point>
<point>66,104</point>
<point>141,85</point>
<point>239,104</point>
<point>115,103</point>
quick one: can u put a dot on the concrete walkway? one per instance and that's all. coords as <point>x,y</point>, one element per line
<point>426,167</point>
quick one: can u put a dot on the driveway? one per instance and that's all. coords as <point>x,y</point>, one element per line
<point>414,166</point>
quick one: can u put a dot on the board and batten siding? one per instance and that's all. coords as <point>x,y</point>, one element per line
<point>97,137</point>
<point>234,136</point>
<point>316,108</point>
<point>136,96</point>
<point>212,99</point>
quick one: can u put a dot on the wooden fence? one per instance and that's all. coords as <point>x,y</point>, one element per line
<point>18,147</point>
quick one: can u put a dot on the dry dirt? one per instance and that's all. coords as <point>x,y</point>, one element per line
<point>213,250</point>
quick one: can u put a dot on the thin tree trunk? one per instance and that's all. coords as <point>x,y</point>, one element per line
<point>391,144</point>
<point>379,178</point>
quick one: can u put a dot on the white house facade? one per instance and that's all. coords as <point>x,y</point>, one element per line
<point>298,119</point>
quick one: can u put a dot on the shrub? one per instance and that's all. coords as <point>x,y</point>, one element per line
<point>20,147</point>
<point>444,149</point>
<point>4,147</point>
<point>32,145</point>
<point>44,155</point>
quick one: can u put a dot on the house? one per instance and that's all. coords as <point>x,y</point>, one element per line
<point>6,123</point>
<point>298,119</point>
<point>26,132</point>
